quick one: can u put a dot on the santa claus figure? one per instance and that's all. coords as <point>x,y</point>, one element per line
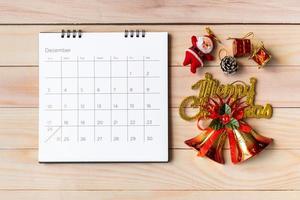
<point>200,51</point>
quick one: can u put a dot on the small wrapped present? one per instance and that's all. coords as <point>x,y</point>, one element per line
<point>260,55</point>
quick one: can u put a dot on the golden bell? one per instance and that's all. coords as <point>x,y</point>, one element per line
<point>246,145</point>
<point>243,145</point>
<point>209,143</point>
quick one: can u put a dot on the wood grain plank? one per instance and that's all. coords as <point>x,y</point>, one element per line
<point>19,128</point>
<point>19,85</point>
<point>169,11</point>
<point>271,170</point>
<point>281,40</point>
<point>159,195</point>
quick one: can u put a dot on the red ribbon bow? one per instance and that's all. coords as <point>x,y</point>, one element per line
<point>227,120</point>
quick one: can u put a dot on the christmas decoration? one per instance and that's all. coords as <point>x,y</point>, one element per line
<point>242,46</point>
<point>227,121</point>
<point>210,87</point>
<point>260,55</point>
<point>229,65</point>
<point>226,106</point>
<point>200,51</point>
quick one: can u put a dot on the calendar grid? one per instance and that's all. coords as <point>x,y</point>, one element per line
<point>144,134</point>
<point>78,106</point>
<point>119,60</point>
<point>92,109</point>
<point>80,92</point>
<point>94,72</point>
<point>61,99</point>
<point>111,129</point>
<point>127,130</point>
<point>82,77</point>
<point>92,125</point>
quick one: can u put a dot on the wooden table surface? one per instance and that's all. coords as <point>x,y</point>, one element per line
<point>274,174</point>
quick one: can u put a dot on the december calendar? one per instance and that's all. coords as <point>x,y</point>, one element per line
<point>103,97</point>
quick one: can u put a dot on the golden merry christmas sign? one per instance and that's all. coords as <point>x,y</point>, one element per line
<point>210,87</point>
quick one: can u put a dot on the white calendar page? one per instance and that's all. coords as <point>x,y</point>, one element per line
<point>103,98</point>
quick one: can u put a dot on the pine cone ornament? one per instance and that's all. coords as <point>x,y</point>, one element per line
<point>229,65</point>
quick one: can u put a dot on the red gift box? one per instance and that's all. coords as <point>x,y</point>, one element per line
<point>261,56</point>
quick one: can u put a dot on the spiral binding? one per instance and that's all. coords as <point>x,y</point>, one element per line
<point>128,33</point>
<point>69,33</point>
<point>136,33</point>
